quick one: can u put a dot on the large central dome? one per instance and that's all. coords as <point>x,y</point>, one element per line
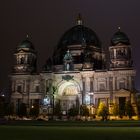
<point>77,34</point>
<point>77,39</point>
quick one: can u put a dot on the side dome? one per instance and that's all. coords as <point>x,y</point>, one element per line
<point>120,37</point>
<point>77,34</point>
<point>26,44</point>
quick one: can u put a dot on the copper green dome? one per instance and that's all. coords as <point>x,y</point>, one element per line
<point>77,34</point>
<point>120,37</point>
<point>26,44</point>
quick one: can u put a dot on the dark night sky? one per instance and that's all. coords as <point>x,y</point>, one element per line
<point>46,20</point>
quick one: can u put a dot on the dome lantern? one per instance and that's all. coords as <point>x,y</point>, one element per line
<point>79,20</point>
<point>119,28</point>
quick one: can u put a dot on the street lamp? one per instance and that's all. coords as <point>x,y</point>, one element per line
<point>52,105</point>
<point>53,93</point>
<point>91,101</point>
<point>2,105</point>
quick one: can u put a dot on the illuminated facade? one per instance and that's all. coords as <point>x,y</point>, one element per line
<point>78,73</point>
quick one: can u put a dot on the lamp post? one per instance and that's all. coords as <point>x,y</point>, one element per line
<point>28,96</point>
<point>2,105</point>
<point>91,101</point>
<point>53,93</point>
<point>53,104</point>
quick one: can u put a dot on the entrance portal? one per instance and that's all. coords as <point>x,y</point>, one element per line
<point>69,95</point>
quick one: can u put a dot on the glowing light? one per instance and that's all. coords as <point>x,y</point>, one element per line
<point>87,99</point>
<point>74,87</point>
<point>46,101</point>
<point>70,90</point>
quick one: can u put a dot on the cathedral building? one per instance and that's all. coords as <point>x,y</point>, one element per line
<point>79,72</point>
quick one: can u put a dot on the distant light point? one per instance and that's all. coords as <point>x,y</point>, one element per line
<point>79,19</point>
<point>27,36</point>
<point>119,28</point>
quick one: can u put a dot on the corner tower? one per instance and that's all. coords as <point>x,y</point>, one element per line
<point>25,58</point>
<point>25,81</point>
<point>120,51</point>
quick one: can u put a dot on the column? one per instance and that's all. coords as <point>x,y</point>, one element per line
<point>115,85</point>
<point>127,84</point>
<point>96,102</point>
<point>28,95</point>
<point>96,84</point>
<point>114,53</point>
<point>130,86</point>
<point>108,83</point>
<point>87,84</point>
<point>83,92</point>
<point>91,84</point>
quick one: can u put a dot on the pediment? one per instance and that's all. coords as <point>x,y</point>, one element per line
<point>123,91</point>
<point>21,51</point>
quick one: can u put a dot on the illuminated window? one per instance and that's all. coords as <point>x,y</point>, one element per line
<point>87,99</point>
<point>46,101</point>
<point>70,90</point>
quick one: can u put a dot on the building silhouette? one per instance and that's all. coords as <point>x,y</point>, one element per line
<point>79,72</point>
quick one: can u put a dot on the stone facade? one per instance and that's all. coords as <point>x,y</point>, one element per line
<point>78,73</point>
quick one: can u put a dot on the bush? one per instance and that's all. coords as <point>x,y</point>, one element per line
<point>129,109</point>
<point>34,111</point>
<point>115,109</point>
<point>22,110</point>
<point>102,111</point>
<point>84,111</point>
<point>74,111</point>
